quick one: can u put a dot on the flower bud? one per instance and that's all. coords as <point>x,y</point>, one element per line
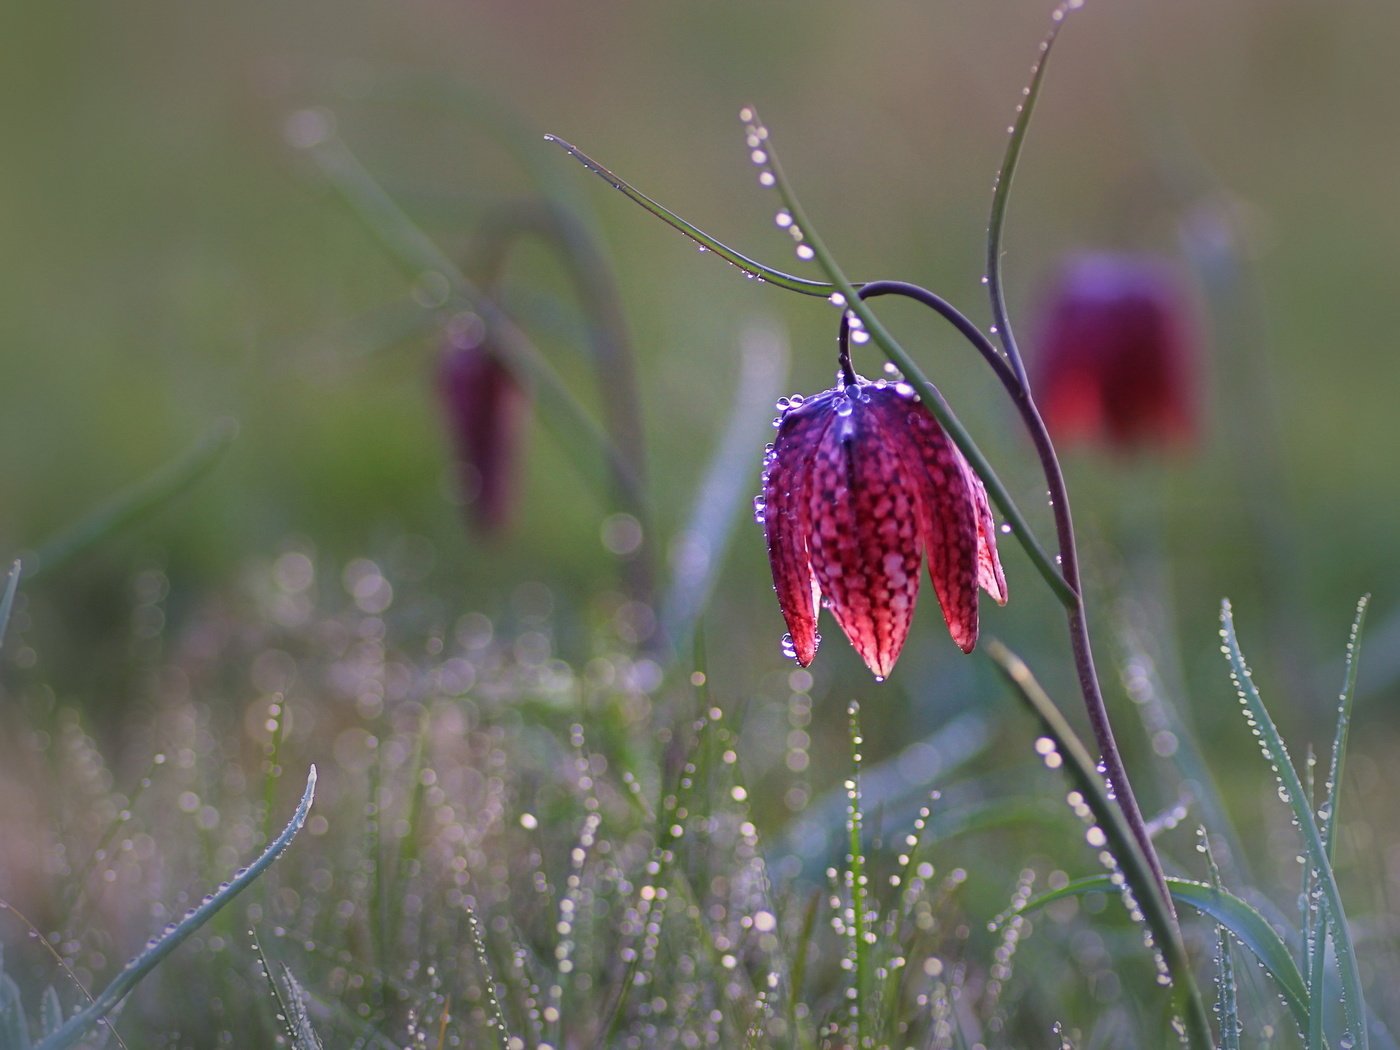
<point>1115,360</point>
<point>484,408</point>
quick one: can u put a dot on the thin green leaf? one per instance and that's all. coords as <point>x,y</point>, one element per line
<point>1227,998</point>
<point>699,236</point>
<point>928,393</point>
<point>1001,192</point>
<point>304,1037</point>
<point>1246,924</point>
<point>1119,839</point>
<point>137,969</point>
<point>136,501</point>
<point>14,1024</point>
<point>700,546</point>
<point>7,600</point>
<point>1276,753</point>
<point>1332,803</point>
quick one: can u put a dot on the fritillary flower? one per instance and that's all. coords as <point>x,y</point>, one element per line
<point>1116,360</point>
<point>484,408</point>
<point>860,485</point>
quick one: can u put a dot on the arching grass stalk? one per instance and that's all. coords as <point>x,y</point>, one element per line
<point>609,342</point>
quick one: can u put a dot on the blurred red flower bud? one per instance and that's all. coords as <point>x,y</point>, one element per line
<point>860,484</point>
<point>484,408</point>
<point>1116,358</point>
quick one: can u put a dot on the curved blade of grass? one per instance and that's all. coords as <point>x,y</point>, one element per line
<point>415,249</point>
<point>7,601</point>
<point>136,501</point>
<point>700,546</point>
<point>1276,753</point>
<point>1081,771</point>
<point>699,236</point>
<point>1001,191</point>
<point>137,969</point>
<point>1245,923</point>
<point>928,393</point>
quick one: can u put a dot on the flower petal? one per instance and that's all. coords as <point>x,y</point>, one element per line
<point>946,507</point>
<point>864,533</point>
<point>989,575</point>
<point>785,523</point>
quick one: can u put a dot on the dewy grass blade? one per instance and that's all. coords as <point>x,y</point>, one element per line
<point>906,364</point>
<point>134,502</point>
<point>1245,923</point>
<point>143,964</point>
<point>699,236</point>
<point>1331,804</point>
<point>1118,838</point>
<point>1001,191</point>
<point>1276,753</point>
<point>7,601</point>
<point>1227,1008</point>
<point>1317,919</point>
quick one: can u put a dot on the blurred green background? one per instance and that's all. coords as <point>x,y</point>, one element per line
<point>167,259</point>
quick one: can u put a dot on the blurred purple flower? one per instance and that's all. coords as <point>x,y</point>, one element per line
<point>1116,357</point>
<point>484,408</point>
<point>861,482</point>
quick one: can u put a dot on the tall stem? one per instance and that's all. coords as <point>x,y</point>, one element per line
<point>1072,596</point>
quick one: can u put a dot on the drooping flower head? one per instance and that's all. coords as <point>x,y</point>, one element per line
<point>1116,360</point>
<point>484,408</point>
<point>859,486</point>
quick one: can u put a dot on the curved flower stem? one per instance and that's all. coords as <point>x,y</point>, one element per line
<point>601,305</point>
<point>1072,596</point>
<point>1054,477</point>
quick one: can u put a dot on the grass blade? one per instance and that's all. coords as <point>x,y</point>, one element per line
<point>136,501</point>
<point>1245,923</point>
<point>1276,753</point>
<point>1330,806</point>
<point>699,236</point>
<point>1001,192</point>
<point>7,600</point>
<point>1117,837</point>
<point>1227,1001</point>
<point>136,970</point>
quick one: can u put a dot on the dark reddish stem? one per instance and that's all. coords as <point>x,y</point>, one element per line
<point>1020,393</point>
